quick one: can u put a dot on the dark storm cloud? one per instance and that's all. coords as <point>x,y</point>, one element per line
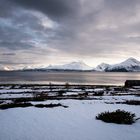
<point>120,4</point>
<point>16,45</point>
<point>53,8</point>
<point>21,31</point>
<point>8,54</point>
<point>103,29</point>
<point>13,63</point>
<point>76,28</point>
<point>6,8</point>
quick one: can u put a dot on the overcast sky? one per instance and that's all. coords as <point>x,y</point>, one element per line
<point>43,32</point>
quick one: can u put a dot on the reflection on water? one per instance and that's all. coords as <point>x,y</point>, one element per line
<point>96,78</point>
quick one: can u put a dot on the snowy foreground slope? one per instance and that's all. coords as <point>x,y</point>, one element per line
<point>74,123</point>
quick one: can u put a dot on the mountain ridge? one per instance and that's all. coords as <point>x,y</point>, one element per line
<point>129,65</point>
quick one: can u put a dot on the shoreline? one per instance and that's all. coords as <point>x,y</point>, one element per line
<point>55,84</point>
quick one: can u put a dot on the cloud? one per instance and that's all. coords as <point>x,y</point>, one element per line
<point>49,31</point>
<point>53,8</point>
<point>8,54</point>
<point>6,8</point>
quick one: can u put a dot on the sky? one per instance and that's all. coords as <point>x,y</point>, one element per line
<point>41,32</point>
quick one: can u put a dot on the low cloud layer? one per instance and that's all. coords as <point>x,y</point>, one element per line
<point>47,32</point>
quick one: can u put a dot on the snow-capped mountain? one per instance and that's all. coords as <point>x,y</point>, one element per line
<point>102,67</point>
<point>71,66</point>
<point>129,65</point>
<point>5,68</point>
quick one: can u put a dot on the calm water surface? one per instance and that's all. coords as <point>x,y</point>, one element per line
<point>97,78</point>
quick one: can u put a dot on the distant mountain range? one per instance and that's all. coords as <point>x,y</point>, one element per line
<point>129,65</point>
<point>71,66</point>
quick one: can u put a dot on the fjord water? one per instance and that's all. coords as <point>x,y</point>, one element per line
<point>96,78</point>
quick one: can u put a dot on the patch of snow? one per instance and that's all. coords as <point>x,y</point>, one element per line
<point>71,93</point>
<point>4,96</point>
<point>102,67</point>
<point>130,64</point>
<point>98,89</point>
<point>14,90</point>
<point>74,123</point>
<point>120,98</point>
<point>71,66</point>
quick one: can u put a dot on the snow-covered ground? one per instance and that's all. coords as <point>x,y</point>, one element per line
<point>120,98</point>
<point>77,122</point>
<point>74,123</point>
<point>4,96</point>
<point>14,90</point>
